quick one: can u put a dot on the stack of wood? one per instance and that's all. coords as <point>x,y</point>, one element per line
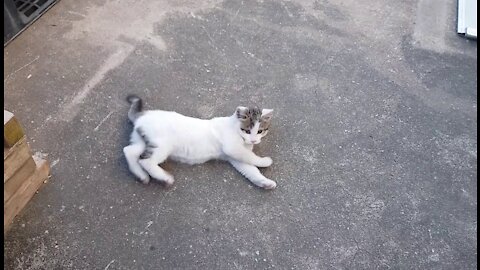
<point>23,173</point>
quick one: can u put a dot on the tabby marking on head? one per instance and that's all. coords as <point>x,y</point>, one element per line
<point>249,116</point>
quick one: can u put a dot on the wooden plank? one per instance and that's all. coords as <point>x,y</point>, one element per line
<point>26,191</point>
<point>12,185</point>
<point>14,158</point>
<point>12,130</point>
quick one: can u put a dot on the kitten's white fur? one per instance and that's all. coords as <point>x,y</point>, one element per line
<point>193,141</point>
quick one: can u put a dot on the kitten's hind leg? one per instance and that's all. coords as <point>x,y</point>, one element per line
<point>151,165</point>
<point>253,174</point>
<point>132,153</point>
<point>149,145</point>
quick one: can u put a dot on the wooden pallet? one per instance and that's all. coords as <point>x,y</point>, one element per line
<point>12,131</point>
<point>23,174</point>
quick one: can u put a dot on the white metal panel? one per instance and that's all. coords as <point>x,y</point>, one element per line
<point>467,18</point>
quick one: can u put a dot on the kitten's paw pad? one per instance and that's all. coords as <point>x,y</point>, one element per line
<point>265,162</point>
<point>269,184</point>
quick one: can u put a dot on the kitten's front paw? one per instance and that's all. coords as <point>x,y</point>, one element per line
<point>265,162</point>
<point>144,180</point>
<point>269,184</point>
<point>168,180</point>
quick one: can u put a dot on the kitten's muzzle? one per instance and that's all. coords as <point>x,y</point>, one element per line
<point>250,142</point>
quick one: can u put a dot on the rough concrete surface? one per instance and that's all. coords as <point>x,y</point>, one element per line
<point>373,139</point>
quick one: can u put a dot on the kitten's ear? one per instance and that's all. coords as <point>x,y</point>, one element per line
<point>241,113</point>
<point>267,114</point>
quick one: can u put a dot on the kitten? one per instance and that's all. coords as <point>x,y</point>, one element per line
<point>158,135</point>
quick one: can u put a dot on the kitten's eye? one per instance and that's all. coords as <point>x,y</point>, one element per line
<point>260,131</point>
<point>246,131</point>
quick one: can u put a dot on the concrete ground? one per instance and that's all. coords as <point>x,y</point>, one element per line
<point>373,139</point>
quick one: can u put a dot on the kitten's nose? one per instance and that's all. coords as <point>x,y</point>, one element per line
<point>253,141</point>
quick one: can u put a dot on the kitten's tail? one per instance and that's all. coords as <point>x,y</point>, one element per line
<point>136,107</point>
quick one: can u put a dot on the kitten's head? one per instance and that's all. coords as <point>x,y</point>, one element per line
<point>254,123</point>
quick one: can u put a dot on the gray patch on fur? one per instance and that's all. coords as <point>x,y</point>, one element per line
<point>264,124</point>
<point>147,153</point>
<point>149,146</point>
<point>250,116</point>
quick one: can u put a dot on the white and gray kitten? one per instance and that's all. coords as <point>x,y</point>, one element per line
<point>158,135</point>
